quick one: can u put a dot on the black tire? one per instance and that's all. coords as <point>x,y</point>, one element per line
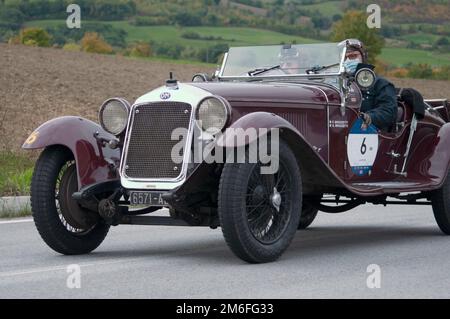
<point>54,165</point>
<point>237,205</point>
<point>440,200</point>
<point>308,215</point>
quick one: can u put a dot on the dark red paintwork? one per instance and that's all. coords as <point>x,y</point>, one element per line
<point>308,111</point>
<point>77,134</point>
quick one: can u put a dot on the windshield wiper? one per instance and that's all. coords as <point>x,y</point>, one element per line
<point>262,70</point>
<point>318,68</point>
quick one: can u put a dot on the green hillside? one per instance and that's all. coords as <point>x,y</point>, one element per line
<point>421,38</point>
<point>235,36</point>
<point>170,34</point>
<point>327,8</point>
<point>403,56</point>
<point>415,31</point>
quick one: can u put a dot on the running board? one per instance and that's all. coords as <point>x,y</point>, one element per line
<point>152,220</point>
<point>389,187</point>
<point>387,184</point>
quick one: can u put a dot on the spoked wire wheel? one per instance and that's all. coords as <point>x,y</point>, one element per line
<point>259,213</point>
<point>268,204</point>
<point>65,226</point>
<point>66,185</point>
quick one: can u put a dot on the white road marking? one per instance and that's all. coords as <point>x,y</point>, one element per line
<point>58,268</point>
<point>16,221</point>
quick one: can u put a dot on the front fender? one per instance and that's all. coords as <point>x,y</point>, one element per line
<point>315,171</point>
<point>77,134</point>
<point>262,122</point>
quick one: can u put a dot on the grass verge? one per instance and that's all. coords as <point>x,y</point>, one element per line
<point>15,174</point>
<point>14,214</point>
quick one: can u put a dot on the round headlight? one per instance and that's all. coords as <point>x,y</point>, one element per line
<point>113,115</point>
<point>213,114</point>
<point>365,78</point>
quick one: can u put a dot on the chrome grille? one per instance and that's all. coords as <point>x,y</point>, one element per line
<point>149,142</point>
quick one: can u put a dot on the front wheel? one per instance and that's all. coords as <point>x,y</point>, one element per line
<point>259,213</point>
<point>62,223</point>
<point>440,200</point>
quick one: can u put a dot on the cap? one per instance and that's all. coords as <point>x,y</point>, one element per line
<point>355,45</point>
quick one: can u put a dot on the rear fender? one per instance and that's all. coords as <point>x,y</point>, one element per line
<point>77,134</point>
<point>315,171</point>
<point>440,160</point>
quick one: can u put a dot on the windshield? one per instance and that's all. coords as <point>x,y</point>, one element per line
<point>320,58</point>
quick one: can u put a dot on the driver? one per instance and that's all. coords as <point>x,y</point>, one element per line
<point>289,60</point>
<point>379,104</point>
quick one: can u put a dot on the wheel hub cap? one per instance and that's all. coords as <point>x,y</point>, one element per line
<point>276,199</point>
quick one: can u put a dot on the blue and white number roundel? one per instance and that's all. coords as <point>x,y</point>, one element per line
<point>362,148</point>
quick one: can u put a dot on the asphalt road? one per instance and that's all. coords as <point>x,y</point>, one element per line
<point>329,260</point>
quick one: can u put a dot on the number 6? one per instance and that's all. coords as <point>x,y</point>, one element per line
<point>363,147</point>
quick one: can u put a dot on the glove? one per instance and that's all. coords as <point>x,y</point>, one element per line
<point>367,120</point>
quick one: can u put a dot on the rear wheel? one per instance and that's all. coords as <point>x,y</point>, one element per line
<point>62,223</point>
<point>259,213</point>
<point>441,206</point>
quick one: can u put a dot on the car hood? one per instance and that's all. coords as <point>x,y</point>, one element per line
<point>314,93</point>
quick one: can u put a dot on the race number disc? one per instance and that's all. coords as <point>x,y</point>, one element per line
<point>362,148</point>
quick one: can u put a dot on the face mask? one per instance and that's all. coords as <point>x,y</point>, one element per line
<point>350,65</point>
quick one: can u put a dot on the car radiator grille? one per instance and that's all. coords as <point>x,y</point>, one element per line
<point>149,152</point>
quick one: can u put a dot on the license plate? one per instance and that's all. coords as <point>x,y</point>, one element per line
<point>147,198</point>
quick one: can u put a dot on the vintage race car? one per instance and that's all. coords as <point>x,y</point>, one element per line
<point>257,149</point>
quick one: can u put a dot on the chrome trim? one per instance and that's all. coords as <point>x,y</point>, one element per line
<point>319,88</point>
<point>284,76</point>
<point>341,67</point>
<point>344,90</point>
<point>186,156</point>
<point>222,68</point>
<point>328,124</point>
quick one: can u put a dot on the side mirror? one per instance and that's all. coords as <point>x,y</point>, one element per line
<point>365,78</point>
<point>200,77</point>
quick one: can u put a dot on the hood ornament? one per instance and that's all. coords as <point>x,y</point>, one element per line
<point>172,83</point>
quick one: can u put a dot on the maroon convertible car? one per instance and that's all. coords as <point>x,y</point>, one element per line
<point>257,149</point>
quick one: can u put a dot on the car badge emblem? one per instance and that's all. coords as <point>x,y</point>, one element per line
<point>165,96</point>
